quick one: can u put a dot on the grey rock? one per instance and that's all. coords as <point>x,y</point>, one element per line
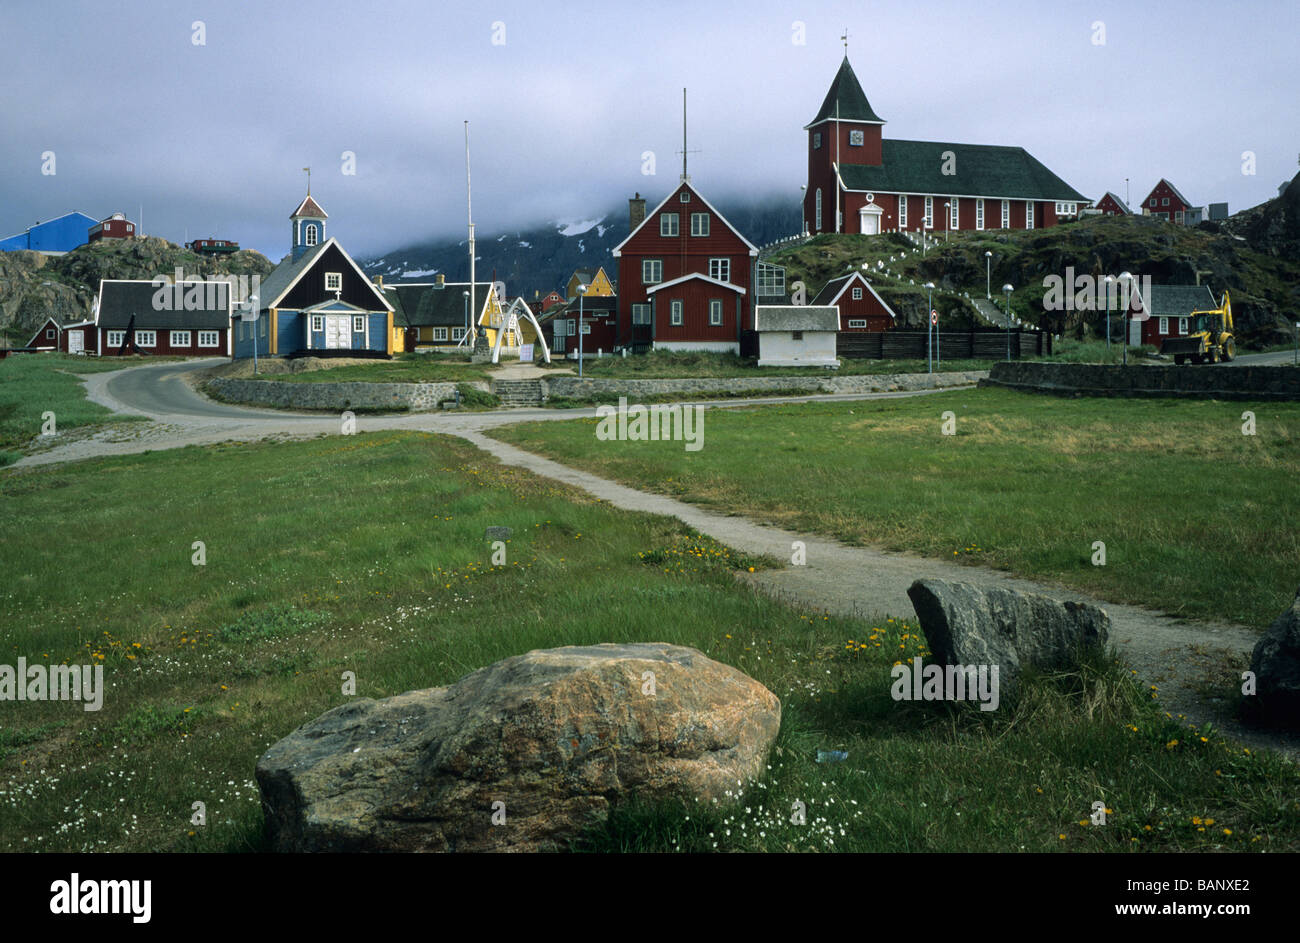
<point>966,624</point>
<point>1276,664</point>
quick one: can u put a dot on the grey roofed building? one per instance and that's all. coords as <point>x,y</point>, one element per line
<point>1178,301</point>
<point>429,304</point>
<point>120,300</point>
<point>1218,211</point>
<point>283,275</point>
<point>796,318</point>
<point>983,170</point>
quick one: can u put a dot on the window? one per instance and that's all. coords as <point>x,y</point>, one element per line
<point>979,214</point>
<point>771,280</point>
<point>359,324</point>
<point>699,224</point>
<point>1164,325</point>
<point>1164,201</point>
<point>857,293</point>
<point>720,269</point>
<point>571,328</point>
<point>929,212</point>
<point>796,335</point>
<point>49,333</point>
<point>440,333</point>
<point>261,327</point>
<point>586,327</point>
<point>115,338</point>
<point>179,339</point>
<point>902,211</point>
<point>146,338</point>
<point>1153,201</point>
<point>209,339</point>
<point>817,139</point>
<point>652,271</point>
<point>1182,325</point>
<point>317,323</point>
<point>333,281</point>
<point>1178,216</point>
<point>818,201</point>
<point>1006,214</point>
<point>684,197</point>
<point>715,312</point>
<point>676,313</point>
<point>857,322</point>
<point>667,224</point>
<point>954,217</point>
<point>640,314</point>
<point>1029,215</point>
<point>855,138</point>
<point>457,333</point>
<point>310,237</point>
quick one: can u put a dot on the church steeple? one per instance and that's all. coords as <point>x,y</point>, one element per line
<point>845,100</point>
<point>308,225</point>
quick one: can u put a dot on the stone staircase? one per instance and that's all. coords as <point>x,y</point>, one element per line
<point>515,393</point>
<point>989,311</point>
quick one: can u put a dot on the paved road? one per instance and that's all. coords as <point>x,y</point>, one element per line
<point>1277,358</point>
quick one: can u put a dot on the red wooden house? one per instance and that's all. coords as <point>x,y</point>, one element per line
<point>859,182</point>
<point>1166,202</point>
<point>142,316</point>
<point>543,303</point>
<point>1111,205</point>
<point>685,277</point>
<point>46,336</point>
<point>116,226</point>
<point>1168,312</point>
<point>79,338</point>
<point>599,319</point>
<point>861,308</point>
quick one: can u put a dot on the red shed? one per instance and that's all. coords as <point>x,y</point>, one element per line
<point>46,336</point>
<point>1111,205</point>
<point>861,308</point>
<point>79,338</point>
<point>659,306</point>
<point>116,226</point>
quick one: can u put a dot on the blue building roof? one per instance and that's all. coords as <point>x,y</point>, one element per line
<point>62,234</point>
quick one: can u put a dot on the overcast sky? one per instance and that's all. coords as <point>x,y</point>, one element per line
<point>564,98</point>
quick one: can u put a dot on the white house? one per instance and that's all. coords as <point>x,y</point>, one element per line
<point>797,335</point>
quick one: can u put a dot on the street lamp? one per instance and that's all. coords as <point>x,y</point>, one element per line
<point>1127,279</point>
<point>803,206</point>
<point>929,289</point>
<point>1109,280</point>
<point>947,220</point>
<point>1007,289</point>
<point>582,294</point>
<point>988,275</point>
<point>253,301</point>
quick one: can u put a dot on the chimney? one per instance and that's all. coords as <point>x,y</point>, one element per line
<point>635,212</point>
<point>440,278</point>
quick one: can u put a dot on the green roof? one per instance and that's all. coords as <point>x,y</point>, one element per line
<point>980,170</point>
<point>846,100</point>
<point>425,305</point>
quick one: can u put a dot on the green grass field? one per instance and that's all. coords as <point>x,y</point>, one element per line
<point>33,384</point>
<point>404,368</point>
<point>367,554</point>
<point>1198,519</point>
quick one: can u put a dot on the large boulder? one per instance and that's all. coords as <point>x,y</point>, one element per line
<point>966,624</point>
<point>1276,665</point>
<point>559,736</point>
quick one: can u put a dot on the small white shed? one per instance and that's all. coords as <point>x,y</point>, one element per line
<point>797,335</point>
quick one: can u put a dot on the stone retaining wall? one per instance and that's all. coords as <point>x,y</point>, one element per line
<point>572,387</point>
<point>1200,382</point>
<point>335,396</point>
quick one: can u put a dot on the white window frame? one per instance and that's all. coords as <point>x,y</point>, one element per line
<point>640,314</point>
<point>571,327</point>
<point>1182,325</point>
<point>856,138</point>
<point>457,333</point>
<point>1164,325</point>
<point>50,333</point>
<point>317,323</point>
<point>954,213</point>
<point>979,212</point>
<point>715,312</point>
<point>720,268</point>
<point>699,224</point>
<point>684,197</point>
<point>817,199</point>
<point>1006,214</point>
<point>928,221</point>
<point>669,224</point>
<point>146,338</point>
<point>857,292</point>
<point>586,326</point>
<point>652,271</point>
<point>676,314</point>
<point>857,322</point>
<point>358,324</point>
<point>439,333</point>
<point>333,281</point>
<point>173,338</point>
<point>1164,201</point>
<point>1029,214</point>
<point>309,235</point>
<point>209,338</point>
<point>114,339</point>
<point>902,211</point>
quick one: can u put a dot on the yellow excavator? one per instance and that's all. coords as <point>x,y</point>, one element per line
<point>1210,340</point>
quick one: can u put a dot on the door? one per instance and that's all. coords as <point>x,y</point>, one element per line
<point>76,342</point>
<point>338,331</point>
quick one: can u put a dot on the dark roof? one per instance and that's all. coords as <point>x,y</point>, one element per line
<point>428,305</point>
<point>1178,301</point>
<point>597,304</point>
<point>982,170</point>
<point>847,96</point>
<point>119,300</point>
<point>309,207</point>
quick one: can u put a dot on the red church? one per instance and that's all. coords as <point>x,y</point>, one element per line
<point>685,276</point>
<point>861,182</point>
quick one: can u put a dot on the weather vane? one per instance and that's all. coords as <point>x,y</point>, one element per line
<point>845,38</point>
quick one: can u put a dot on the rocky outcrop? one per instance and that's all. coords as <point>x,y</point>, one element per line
<point>965,624</point>
<point>1276,666</point>
<point>519,756</point>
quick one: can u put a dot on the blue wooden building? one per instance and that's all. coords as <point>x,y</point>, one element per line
<point>54,237</point>
<point>316,300</point>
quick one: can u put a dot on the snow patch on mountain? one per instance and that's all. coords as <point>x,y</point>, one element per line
<point>579,226</point>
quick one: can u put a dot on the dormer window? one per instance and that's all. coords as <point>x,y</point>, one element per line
<point>333,281</point>
<point>310,235</point>
<point>855,138</point>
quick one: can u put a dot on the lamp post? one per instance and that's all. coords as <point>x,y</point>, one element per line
<point>947,220</point>
<point>988,275</point>
<point>925,243</point>
<point>253,301</point>
<point>582,295</point>
<point>1007,289</point>
<point>929,306</point>
<point>1127,279</point>
<point>1110,281</point>
<point>803,206</point>
<point>467,328</point>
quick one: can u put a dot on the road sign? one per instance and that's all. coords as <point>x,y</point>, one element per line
<point>934,317</point>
